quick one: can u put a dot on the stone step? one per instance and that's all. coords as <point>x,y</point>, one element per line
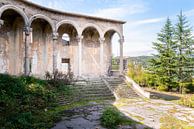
<point>121,88</point>
<point>97,95</point>
<point>96,89</point>
<point>92,94</point>
<point>100,98</point>
<point>92,88</point>
<point>86,99</point>
<point>103,85</point>
<point>95,92</point>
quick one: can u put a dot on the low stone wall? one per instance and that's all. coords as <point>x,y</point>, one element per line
<point>137,88</point>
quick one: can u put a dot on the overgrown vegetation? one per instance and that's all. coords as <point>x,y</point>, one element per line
<point>115,63</point>
<point>187,100</point>
<point>27,102</point>
<point>172,68</point>
<point>170,122</point>
<point>139,74</point>
<point>58,78</point>
<point>111,118</point>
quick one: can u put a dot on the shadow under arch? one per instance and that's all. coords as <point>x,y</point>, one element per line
<point>112,31</point>
<point>68,22</point>
<point>94,26</point>
<point>16,9</point>
<point>12,42</point>
<point>40,16</point>
<point>41,45</point>
<point>91,51</point>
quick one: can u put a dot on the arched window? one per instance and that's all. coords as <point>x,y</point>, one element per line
<point>65,39</point>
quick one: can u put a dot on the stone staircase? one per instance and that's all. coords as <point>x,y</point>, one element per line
<point>121,88</point>
<point>88,89</point>
<point>96,89</point>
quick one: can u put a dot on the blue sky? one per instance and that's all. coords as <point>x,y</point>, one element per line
<point>144,18</point>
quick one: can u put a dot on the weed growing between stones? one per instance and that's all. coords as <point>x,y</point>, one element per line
<point>187,100</point>
<point>112,118</point>
<point>170,122</point>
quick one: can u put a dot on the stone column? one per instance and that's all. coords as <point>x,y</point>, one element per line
<point>101,55</point>
<point>55,38</point>
<point>121,41</point>
<point>27,31</point>
<point>79,39</point>
<point>1,23</point>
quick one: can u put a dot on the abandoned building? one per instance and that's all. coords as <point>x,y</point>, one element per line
<point>36,39</point>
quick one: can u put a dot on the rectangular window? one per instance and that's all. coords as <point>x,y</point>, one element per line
<point>65,60</point>
<point>65,65</point>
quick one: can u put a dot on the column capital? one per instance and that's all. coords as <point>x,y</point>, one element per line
<point>79,38</point>
<point>101,40</point>
<point>122,40</point>
<point>27,30</point>
<point>1,23</point>
<point>55,35</point>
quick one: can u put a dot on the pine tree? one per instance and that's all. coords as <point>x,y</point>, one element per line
<point>163,65</point>
<point>184,40</point>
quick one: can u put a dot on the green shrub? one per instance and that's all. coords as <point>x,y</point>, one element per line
<point>22,99</point>
<point>58,79</point>
<point>187,100</point>
<point>162,88</point>
<point>111,118</point>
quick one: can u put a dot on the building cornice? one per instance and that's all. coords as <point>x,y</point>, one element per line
<point>72,14</point>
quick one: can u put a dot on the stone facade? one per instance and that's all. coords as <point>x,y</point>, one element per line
<point>31,40</point>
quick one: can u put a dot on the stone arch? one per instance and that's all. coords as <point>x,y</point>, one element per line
<point>68,22</point>
<point>113,29</point>
<point>18,10</point>
<point>93,26</point>
<point>41,16</point>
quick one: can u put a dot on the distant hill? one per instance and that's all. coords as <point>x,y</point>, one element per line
<point>143,60</point>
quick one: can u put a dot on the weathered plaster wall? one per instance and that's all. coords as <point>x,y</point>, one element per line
<point>41,48</point>
<point>12,47</point>
<point>44,22</point>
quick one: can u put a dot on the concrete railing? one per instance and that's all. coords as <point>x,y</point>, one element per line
<point>137,88</point>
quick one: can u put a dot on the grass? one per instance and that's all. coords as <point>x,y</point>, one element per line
<point>172,111</point>
<point>115,67</point>
<point>187,100</point>
<point>112,118</point>
<point>139,118</point>
<point>25,102</point>
<point>170,122</point>
<point>59,109</point>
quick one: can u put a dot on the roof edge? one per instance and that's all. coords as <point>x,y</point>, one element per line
<point>72,14</point>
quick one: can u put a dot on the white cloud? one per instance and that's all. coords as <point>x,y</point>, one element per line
<point>189,12</point>
<point>121,12</point>
<point>150,21</point>
<point>139,36</point>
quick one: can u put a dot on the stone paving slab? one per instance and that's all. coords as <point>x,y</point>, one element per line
<point>87,117</point>
<point>149,112</point>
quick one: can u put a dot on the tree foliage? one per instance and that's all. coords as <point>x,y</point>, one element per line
<point>164,63</point>
<point>184,41</point>
<point>173,65</point>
